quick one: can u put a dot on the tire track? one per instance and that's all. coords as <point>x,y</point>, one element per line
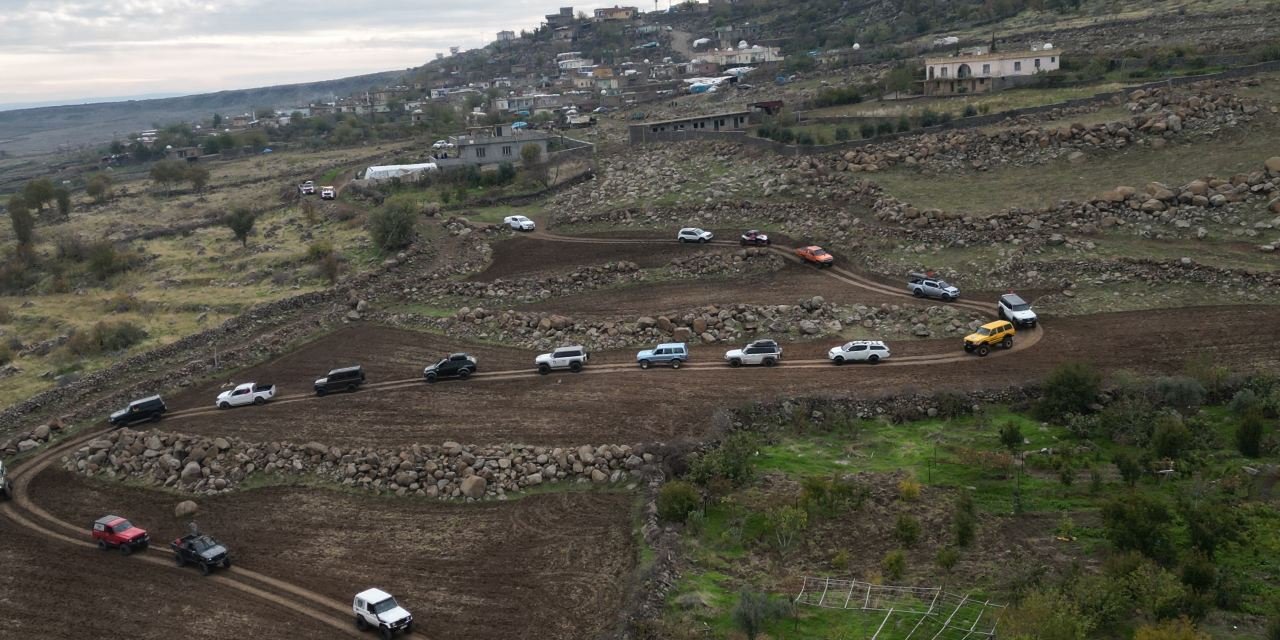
<point>22,506</point>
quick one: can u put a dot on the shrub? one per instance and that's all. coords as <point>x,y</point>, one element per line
<point>1211,523</point>
<point>829,496</point>
<point>319,250</point>
<point>1199,573</point>
<point>1127,420</point>
<point>1170,437</point>
<point>894,565</point>
<point>330,267</point>
<point>731,461</point>
<point>1071,388</point>
<point>71,247</point>
<point>867,130</point>
<point>1127,465</point>
<point>804,138</point>
<point>947,558</point>
<point>24,224</point>
<point>1011,436</point>
<point>1249,432</point>
<point>909,489</point>
<point>1045,615</point>
<point>392,226</point>
<point>99,187</point>
<point>907,530</point>
<point>1244,402</point>
<point>964,520</point>
<point>783,525</point>
<point>842,134</point>
<point>755,610</point>
<point>970,111</point>
<point>105,260</point>
<point>1179,392</point>
<point>1180,629</point>
<point>928,118</point>
<point>903,124</point>
<point>6,354</point>
<point>840,560</point>
<point>884,128</point>
<point>240,221</point>
<point>1140,523</point>
<point>676,500</point>
<point>105,337</point>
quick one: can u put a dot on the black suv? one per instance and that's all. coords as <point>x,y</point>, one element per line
<point>200,550</point>
<point>458,365</point>
<point>150,408</point>
<point>344,379</point>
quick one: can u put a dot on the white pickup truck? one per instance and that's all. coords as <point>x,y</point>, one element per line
<point>247,393</point>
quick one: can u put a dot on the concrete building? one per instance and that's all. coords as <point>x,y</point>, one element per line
<point>615,13</point>
<point>754,54</point>
<point>732,121</point>
<point>497,144</point>
<point>982,71</point>
<point>562,19</point>
<point>506,36</point>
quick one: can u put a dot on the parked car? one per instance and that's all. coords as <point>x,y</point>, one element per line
<point>816,255</point>
<point>754,237</point>
<point>377,609</point>
<point>6,485</point>
<point>247,393</point>
<point>457,365</point>
<point>519,223</point>
<point>328,193</point>
<point>925,285</point>
<point>442,144</point>
<point>572,358</point>
<point>693,234</point>
<point>114,532</point>
<point>344,379</point>
<point>872,351</point>
<point>1013,308</point>
<point>149,408</point>
<point>672,354</point>
<point>999,332</point>
<point>202,551</point>
<point>307,188</point>
<point>763,352</point>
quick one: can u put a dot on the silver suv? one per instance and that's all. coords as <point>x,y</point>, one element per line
<point>693,234</point>
<point>765,352</point>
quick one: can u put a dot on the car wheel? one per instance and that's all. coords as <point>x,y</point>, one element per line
<point>769,362</point>
<point>156,417</point>
<point>873,359</point>
<point>387,633</point>
<point>224,405</point>
<point>984,350</point>
<point>361,624</point>
<point>320,392</point>
<point>102,545</point>
<point>704,241</point>
<point>575,366</point>
<point>351,387</point>
<point>946,297</point>
<point>126,550</point>
<point>675,364</point>
<point>258,400</point>
<point>408,628</point>
<point>226,563</point>
<point>464,374</point>
<point>1007,342</point>
<point>682,240</point>
<point>743,243</point>
<point>1000,313</point>
<point>644,364</point>
<point>735,363</point>
<point>544,369</point>
<point>179,560</point>
<point>919,293</point>
<point>431,378</point>
<point>839,360</point>
<point>205,569</point>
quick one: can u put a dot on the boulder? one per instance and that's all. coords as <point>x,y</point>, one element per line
<point>1076,157</point>
<point>599,477</point>
<point>27,445</point>
<point>474,486</point>
<point>1273,166</point>
<point>191,472</point>
<point>41,432</point>
<point>185,509</point>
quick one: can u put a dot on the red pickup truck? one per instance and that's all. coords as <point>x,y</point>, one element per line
<point>117,532</point>
<point>815,255</point>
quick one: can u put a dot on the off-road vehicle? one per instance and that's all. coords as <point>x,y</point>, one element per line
<point>673,354</point>
<point>458,365</point>
<point>377,609</point>
<point>149,408</point>
<point>1013,308</point>
<point>202,551</point>
<point>754,237</point>
<point>872,351</point>
<point>247,393</point>
<point>926,285</point>
<point>816,256</point>
<point>693,234</point>
<point>999,332</point>
<point>344,379</point>
<point>763,352</point>
<point>307,188</point>
<point>571,358</point>
<point>114,532</point>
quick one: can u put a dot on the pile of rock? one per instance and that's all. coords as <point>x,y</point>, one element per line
<point>812,318</point>
<point>27,440</point>
<point>740,262</point>
<point>450,471</point>
<point>534,289</point>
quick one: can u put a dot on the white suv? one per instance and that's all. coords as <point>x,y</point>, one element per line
<point>765,352</point>
<point>1016,310</point>
<point>872,351</point>
<point>519,223</point>
<point>376,609</point>
<point>693,234</point>
<point>571,358</point>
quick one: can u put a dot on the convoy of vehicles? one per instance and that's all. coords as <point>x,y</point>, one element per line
<point>991,334</point>
<point>457,365</point>
<point>343,379</point>
<point>816,256</point>
<point>247,393</point>
<point>201,550</point>
<point>519,223</point>
<point>114,532</point>
<point>377,609</point>
<point>149,408</point>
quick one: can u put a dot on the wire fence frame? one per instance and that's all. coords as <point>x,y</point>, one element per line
<point>950,616</point>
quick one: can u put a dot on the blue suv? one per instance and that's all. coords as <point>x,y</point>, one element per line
<point>672,353</point>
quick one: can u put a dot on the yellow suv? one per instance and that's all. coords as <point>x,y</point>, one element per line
<point>999,332</point>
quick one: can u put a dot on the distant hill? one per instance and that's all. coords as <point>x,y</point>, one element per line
<point>44,129</point>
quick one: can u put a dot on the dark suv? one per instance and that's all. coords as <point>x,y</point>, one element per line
<point>150,408</point>
<point>344,379</point>
<point>458,365</point>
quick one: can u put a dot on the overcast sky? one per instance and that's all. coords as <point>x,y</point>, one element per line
<point>81,49</point>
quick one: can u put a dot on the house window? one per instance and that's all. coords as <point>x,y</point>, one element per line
<point>506,151</point>
<point>1017,65</point>
<point>1053,59</point>
<point>1037,63</point>
<point>942,72</point>
<point>986,69</point>
<point>480,152</point>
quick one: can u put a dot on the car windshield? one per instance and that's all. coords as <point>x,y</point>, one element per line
<point>202,544</point>
<point>983,331</point>
<point>1020,307</point>
<point>819,252</point>
<point>123,525</point>
<point>384,606</point>
<point>943,285</point>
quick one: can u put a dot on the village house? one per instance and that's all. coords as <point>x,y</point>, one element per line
<point>497,144</point>
<point>754,54</point>
<point>730,35</point>
<point>981,71</point>
<point>615,13</point>
<point>562,19</point>
<point>731,121</point>
<point>506,36</point>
